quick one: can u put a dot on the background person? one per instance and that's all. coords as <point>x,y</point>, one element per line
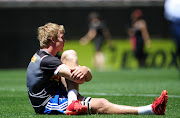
<point>99,33</point>
<point>139,37</point>
<point>172,14</point>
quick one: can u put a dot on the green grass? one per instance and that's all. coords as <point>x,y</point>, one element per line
<point>14,100</point>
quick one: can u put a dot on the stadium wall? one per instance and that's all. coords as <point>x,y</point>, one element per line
<point>19,27</point>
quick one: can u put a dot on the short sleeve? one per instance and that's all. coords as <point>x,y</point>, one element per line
<point>50,63</point>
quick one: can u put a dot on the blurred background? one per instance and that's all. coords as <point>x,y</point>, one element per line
<point>19,20</point>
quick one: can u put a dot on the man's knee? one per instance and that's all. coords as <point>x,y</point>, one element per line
<point>100,105</point>
<point>103,102</point>
<point>69,56</point>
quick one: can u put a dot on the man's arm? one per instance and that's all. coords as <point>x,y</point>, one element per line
<point>145,33</point>
<point>84,70</point>
<point>78,74</point>
<point>88,37</point>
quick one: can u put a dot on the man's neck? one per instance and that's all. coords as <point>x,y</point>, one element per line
<point>51,51</point>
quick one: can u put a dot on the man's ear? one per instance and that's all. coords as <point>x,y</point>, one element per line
<point>52,39</point>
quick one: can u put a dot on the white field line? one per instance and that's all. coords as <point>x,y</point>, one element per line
<point>100,94</point>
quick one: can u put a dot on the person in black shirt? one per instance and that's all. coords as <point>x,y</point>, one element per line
<point>52,82</point>
<point>98,32</point>
<point>46,86</point>
<point>139,37</point>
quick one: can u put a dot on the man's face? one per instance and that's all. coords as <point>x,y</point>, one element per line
<point>60,42</point>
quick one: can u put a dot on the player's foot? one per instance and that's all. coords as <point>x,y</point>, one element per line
<point>159,104</point>
<point>76,108</point>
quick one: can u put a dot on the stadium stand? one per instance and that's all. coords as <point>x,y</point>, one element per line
<point>79,3</point>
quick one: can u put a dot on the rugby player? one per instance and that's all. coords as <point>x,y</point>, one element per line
<point>52,82</point>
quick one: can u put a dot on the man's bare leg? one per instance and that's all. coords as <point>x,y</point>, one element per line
<point>99,60</point>
<point>70,59</point>
<point>103,106</point>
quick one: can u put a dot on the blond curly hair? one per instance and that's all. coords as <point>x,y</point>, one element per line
<point>48,31</point>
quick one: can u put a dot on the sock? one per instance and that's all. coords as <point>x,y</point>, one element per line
<point>145,109</point>
<point>72,95</point>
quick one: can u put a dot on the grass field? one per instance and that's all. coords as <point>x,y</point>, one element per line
<point>127,87</point>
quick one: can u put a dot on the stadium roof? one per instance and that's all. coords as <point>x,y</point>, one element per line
<point>78,3</point>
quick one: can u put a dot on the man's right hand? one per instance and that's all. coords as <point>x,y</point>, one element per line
<point>78,75</point>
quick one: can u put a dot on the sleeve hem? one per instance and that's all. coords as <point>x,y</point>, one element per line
<point>57,69</point>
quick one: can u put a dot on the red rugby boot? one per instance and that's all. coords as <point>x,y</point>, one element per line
<point>159,104</point>
<point>76,108</point>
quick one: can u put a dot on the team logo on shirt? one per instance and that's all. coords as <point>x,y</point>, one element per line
<point>33,59</point>
<point>56,78</point>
